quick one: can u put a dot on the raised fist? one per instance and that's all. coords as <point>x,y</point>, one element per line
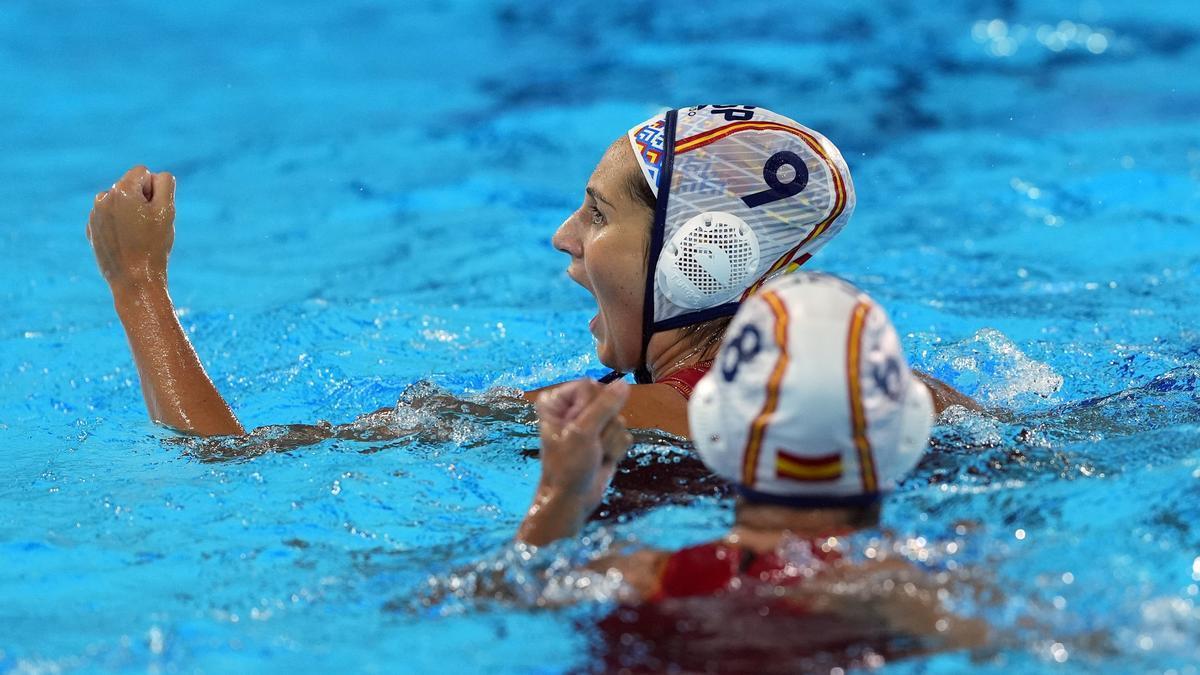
<point>132,227</point>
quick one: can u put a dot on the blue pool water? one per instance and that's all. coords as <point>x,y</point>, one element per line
<point>366,194</point>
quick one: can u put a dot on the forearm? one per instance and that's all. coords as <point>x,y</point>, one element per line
<point>944,395</point>
<point>551,517</point>
<point>178,392</point>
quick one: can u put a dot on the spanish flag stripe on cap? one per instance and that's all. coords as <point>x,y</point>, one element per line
<point>795,467</point>
<point>858,419</point>
<point>758,428</point>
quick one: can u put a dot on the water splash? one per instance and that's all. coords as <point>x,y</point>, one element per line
<point>993,369</point>
<point>529,576</point>
<point>424,414</point>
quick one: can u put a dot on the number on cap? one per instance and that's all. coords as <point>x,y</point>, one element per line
<point>740,350</point>
<point>887,377</point>
<point>777,188</point>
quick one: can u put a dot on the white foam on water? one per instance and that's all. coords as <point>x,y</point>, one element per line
<point>993,369</point>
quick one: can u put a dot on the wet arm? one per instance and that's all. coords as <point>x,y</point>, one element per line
<point>891,597</point>
<point>131,229</point>
<point>650,406</point>
<point>944,395</point>
<point>641,572</point>
<point>178,392</point>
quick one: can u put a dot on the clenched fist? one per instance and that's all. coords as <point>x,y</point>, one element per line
<point>583,439</point>
<point>132,227</point>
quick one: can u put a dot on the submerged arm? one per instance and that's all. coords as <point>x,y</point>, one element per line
<point>944,395</point>
<point>891,597</point>
<point>131,229</point>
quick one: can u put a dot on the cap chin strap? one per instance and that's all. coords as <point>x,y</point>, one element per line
<point>612,376</point>
<point>642,373</point>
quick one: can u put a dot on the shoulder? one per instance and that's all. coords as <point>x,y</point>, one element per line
<point>656,406</point>
<point>650,406</point>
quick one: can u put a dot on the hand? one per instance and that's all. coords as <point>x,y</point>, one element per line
<point>131,227</point>
<point>583,438</point>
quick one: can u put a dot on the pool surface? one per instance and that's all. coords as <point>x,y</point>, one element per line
<point>366,195</point>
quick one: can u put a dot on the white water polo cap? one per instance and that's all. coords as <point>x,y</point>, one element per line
<point>743,194</point>
<point>810,401</point>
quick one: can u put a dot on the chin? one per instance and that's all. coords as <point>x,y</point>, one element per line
<point>611,358</point>
<point>605,356</point>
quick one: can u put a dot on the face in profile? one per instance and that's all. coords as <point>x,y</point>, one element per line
<point>607,238</point>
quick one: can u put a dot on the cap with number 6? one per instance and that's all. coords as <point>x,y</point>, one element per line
<point>743,194</point>
<point>810,401</point>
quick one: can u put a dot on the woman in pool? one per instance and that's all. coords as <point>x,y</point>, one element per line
<point>811,428</point>
<point>684,217</point>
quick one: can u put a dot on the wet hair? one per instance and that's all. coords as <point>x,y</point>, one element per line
<point>858,517</point>
<point>864,516</point>
<point>705,336</point>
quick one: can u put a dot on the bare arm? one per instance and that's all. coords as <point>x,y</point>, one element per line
<point>649,406</point>
<point>641,572</point>
<point>944,395</point>
<point>659,406</point>
<point>131,228</point>
<point>891,597</point>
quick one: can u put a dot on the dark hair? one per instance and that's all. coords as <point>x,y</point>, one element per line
<point>858,516</point>
<point>706,335</point>
<point>864,516</point>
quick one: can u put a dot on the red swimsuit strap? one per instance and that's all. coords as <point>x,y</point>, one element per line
<point>684,380</point>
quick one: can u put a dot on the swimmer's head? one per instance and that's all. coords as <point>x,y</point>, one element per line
<point>713,201</point>
<point>607,238</point>
<point>810,401</point>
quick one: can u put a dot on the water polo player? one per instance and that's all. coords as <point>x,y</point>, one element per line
<point>811,428</point>
<point>682,219</point>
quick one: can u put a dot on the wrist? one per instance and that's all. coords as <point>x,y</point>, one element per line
<point>560,495</point>
<point>554,514</point>
<point>138,291</point>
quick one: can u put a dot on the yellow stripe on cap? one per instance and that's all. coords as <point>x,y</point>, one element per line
<point>858,419</point>
<point>758,428</point>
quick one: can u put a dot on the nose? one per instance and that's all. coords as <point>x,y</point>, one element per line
<point>565,239</point>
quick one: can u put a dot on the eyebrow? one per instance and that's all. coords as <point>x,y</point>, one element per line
<point>596,195</point>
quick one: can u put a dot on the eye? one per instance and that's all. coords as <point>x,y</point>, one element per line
<point>597,217</point>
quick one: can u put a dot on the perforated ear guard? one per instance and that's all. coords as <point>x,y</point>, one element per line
<point>709,261</point>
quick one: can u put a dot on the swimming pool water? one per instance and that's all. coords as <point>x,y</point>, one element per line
<point>366,194</point>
